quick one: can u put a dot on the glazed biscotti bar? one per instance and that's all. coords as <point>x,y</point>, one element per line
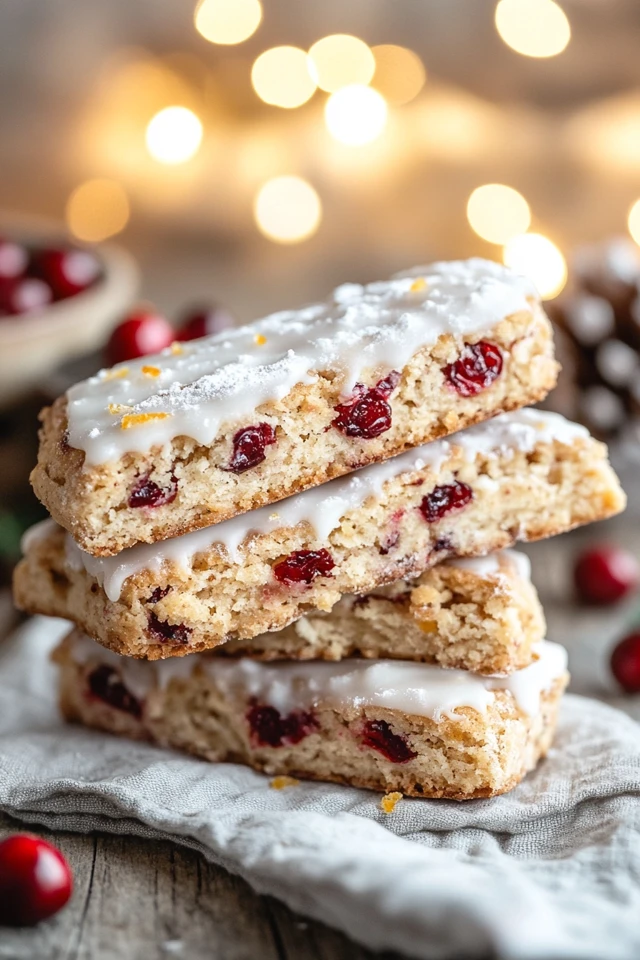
<point>480,614</point>
<point>207,430</point>
<point>387,725</point>
<point>520,476</point>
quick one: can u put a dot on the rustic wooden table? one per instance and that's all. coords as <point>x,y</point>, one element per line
<point>141,900</point>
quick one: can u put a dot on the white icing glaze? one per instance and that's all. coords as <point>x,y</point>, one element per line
<point>324,507</point>
<point>493,564</point>
<point>413,688</point>
<point>223,378</point>
<point>36,533</point>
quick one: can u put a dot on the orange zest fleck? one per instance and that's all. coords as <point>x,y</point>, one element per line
<point>176,348</point>
<point>116,374</point>
<point>151,371</point>
<point>279,783</point>
<point>260,339</point>
<point>389,801</point>
<point>418,284</point>
<point>117,408</point>
<point>137,419</point>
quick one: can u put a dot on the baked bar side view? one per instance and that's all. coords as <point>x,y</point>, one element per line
<point>521,476</point>
<point>212,429</point>
<point>421,730</point>
<point>480,614</point>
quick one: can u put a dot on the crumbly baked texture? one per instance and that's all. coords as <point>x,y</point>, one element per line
<point>92,502</point>
<point>172,609</point>
<point>474,754</point>
<point>485,618</point>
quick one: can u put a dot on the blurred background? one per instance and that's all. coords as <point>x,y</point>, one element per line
<point>234,157</point>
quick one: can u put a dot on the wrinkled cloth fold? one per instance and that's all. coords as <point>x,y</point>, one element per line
<point>551,870</point>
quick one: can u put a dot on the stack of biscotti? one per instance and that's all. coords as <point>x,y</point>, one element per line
<point>290,541</point>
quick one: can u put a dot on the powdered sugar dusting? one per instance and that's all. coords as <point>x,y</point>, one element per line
<point>223,378</point>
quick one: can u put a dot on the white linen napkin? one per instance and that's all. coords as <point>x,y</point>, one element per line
<point>551,870</point>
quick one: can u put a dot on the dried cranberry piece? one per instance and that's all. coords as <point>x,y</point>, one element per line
<point>105,684</point>
<point>476,368</point>
<point>249,446</point>
<point>444,500</point>
<point>147,493</point>
<point>378,735</point>
<point>271,729</point>
<point>367,414</point>
<point>304,566</point>
<point>159,594</point>
<point>169,632</point>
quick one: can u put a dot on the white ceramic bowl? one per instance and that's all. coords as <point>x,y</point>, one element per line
<point>32,344</point>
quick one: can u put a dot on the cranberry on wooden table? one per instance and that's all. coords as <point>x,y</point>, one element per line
<point>605,574</point>
<point>35,880</point>
<point>143,331</point>
<point>625,662</point>
<point>204,321</point>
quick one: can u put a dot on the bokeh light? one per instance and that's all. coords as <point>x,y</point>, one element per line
<point>174,135</point>
<point>287,209</point>
<point>355,115</point>
<point>400,74</point>
<point>97,209</point>
<point>281,77</point>
<point>341,60</point>
<point>227,21</point>
<point>634,221</point>
<point>534,28</point>
<point>538,258</point>
<point>497,212</point>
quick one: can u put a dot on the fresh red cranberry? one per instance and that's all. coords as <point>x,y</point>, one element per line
<point>35,880</point>
<point>24,295</point>
<point>159,594</point>
<point>66,271</point>
<point>605,574</point>
<point>625,663</point>
<point>249,446</point>
<point>142,332</point>
<point>444,500</point>
<point>378,735</point>
<point>147,493</point>
<point>204,322</point>
<point>367,414</point>
<point>13,259</point>
<point>106,684</point>
<point>475,369</point>
<point>304,566</point>
<point>169,632</point>
<point>269,728</point>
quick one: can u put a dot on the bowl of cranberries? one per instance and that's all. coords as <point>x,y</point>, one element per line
<point>58,299</point>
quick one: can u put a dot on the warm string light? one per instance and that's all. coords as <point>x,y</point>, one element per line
<point>497,212</point>
<point>174,135</point>
<point>227,21</point>
<point>399,74</point>
<point>534,28</point>
<point>634,221</point>
<point>97,209</point>
<point>538,258</point>
<point>287,209</point>
<point>282,77</point>
<point>355,115</point>
<point>341,60</point>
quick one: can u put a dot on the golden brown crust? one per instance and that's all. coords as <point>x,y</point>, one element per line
<point>91,502</point>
